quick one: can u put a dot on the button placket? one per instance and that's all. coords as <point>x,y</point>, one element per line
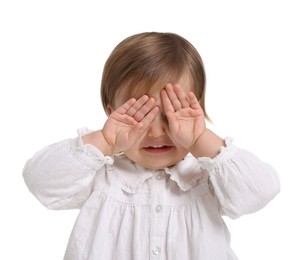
<point>157,205</point>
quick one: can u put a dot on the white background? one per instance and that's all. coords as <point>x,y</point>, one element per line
<point>51,58</point>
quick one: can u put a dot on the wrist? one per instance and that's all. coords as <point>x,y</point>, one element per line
<point>98,140</point>
<point>207,145</point>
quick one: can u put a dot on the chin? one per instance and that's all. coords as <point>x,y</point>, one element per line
<point>156,162</point>
<point>158,166</point>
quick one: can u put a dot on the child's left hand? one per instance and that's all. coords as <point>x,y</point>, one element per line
<point>185,115</point>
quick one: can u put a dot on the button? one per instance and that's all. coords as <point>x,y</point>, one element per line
<point>156,250</point>
<point>158,208</point>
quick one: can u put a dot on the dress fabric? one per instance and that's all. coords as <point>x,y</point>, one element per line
<point>128,212</point>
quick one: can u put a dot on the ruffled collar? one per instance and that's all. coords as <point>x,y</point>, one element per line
<point>132,176</point>
<point>186,173</point>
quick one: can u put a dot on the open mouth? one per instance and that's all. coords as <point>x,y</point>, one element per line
<point>158,148</point>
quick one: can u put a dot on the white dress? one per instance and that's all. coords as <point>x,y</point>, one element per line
<point>131,213</point>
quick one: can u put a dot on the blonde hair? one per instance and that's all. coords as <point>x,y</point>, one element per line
<point>146,59</point>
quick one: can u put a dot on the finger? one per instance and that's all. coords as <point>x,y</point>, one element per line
<point>166,102</point>
<point>137,105</point>
<point>123,108</point>
<point>193,101</point>
<point>144,109</point>
<point>173,97</point>
<point>182,97</point>
<point>147,120</point>
<point>168,108</point>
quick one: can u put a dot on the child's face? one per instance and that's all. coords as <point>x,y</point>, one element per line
<point>155,149</point>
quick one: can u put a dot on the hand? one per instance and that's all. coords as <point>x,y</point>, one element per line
<point>127,123</point>
<point>185,115</point>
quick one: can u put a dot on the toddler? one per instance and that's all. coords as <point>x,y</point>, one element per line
<point>154,182</point>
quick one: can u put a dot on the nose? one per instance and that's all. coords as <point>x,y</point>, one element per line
<point>157,127</point>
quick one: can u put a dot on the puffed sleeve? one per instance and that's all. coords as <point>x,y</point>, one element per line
<point>241,182</point>
<point>61,175</point>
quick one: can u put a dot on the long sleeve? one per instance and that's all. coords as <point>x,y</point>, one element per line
<point>61,175</point>
<point>242,183</point>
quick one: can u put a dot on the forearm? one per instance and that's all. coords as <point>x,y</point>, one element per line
<point>97,139</point>
<point>61,175</point>
<point>207,145</point>
<point>241,181</point>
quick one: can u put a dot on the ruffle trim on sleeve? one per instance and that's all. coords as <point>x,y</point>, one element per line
<point>226,152</point>
<point>90,150</point>
<point>190,171</point>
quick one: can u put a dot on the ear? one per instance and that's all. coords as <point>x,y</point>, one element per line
<point>110,110</point>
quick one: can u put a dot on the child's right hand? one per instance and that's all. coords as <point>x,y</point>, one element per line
<point>127,123</point>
